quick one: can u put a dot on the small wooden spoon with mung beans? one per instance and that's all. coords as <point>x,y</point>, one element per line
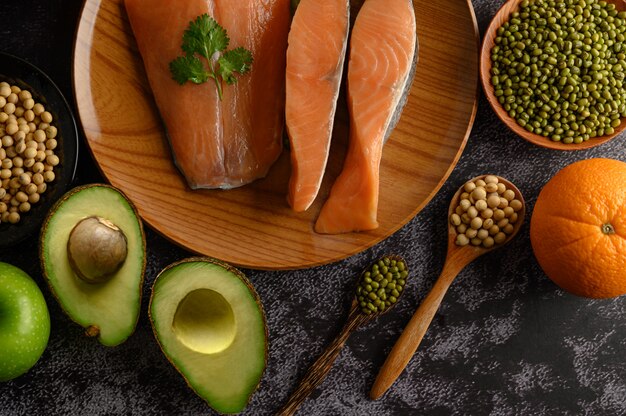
<point>360,314</point>
<point>456,259</point>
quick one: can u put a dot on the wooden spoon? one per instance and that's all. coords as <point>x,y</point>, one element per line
<point>320,368</point>
<point>456,259</point>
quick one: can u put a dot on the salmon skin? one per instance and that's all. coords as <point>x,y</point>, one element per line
<point>383,53</point>
<point>228,143</point>
<point>315,59</point>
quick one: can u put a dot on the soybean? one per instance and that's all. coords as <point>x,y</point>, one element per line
<point>498,212</point>
<point>27,158</point>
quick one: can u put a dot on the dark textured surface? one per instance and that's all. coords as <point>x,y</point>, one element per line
<point>506,340</point>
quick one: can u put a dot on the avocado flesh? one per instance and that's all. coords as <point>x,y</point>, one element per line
<point>113,306</point>
<point>211,327</point>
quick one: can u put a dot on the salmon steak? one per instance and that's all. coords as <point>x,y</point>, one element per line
<point>218,143</point>
<point>383,54</point>
<point>315,59</point>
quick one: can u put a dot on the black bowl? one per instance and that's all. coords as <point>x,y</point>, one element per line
<point>18,72</point>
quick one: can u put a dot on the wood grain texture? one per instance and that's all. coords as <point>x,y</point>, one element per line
<point>322,366</point>
<point>253,226</point>
<point>499,18</point>
<point>456,259</point>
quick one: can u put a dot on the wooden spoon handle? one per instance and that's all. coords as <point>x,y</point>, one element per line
<point>413,333</point>
<point>321,367</point>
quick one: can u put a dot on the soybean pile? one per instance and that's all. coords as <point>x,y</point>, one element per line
<point>486,213</point>
<point>558,68</point>
<point>27,152</point>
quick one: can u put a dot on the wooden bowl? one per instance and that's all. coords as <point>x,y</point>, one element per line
<point>501,17</point>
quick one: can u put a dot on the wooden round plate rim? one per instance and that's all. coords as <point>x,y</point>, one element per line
<point>501,16</point>
<point>262,232</point>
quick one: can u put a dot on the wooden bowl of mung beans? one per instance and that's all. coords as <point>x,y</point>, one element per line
<point>552,70</point>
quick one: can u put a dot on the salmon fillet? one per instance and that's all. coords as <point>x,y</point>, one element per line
<point>315,58</point>
<point>382,52</point>
<point>228,143</point>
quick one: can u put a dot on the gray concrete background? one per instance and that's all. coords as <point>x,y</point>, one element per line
<point>506,340</point>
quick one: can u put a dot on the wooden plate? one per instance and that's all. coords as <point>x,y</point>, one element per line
<point>253,226</point>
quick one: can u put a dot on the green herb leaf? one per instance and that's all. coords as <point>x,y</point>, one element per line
<point>237,60</point>
<point>204,36</point>
<point>188,68</point>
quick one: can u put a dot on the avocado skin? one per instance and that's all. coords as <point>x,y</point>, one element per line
<point>90,331</point>
<point>254,295</point>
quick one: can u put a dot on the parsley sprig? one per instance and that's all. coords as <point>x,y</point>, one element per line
<point>205,38</point>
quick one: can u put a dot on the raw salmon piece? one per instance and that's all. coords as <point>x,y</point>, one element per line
<point>382,52</point>
<point>256,107</point>
<point>315,58</point>
<point>218,144</point>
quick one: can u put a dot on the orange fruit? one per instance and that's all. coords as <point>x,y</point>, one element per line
<point>578,228</point>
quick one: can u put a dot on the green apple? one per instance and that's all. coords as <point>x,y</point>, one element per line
<point>24,322</point>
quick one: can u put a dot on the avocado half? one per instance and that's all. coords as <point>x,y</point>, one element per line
<point>209,323</point>
<point>107,304</point>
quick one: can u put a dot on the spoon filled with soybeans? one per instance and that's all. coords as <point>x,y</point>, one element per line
<point>485,213</point>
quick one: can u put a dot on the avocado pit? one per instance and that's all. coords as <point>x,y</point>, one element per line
<point>96,249</point>
<point>204,322</point>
